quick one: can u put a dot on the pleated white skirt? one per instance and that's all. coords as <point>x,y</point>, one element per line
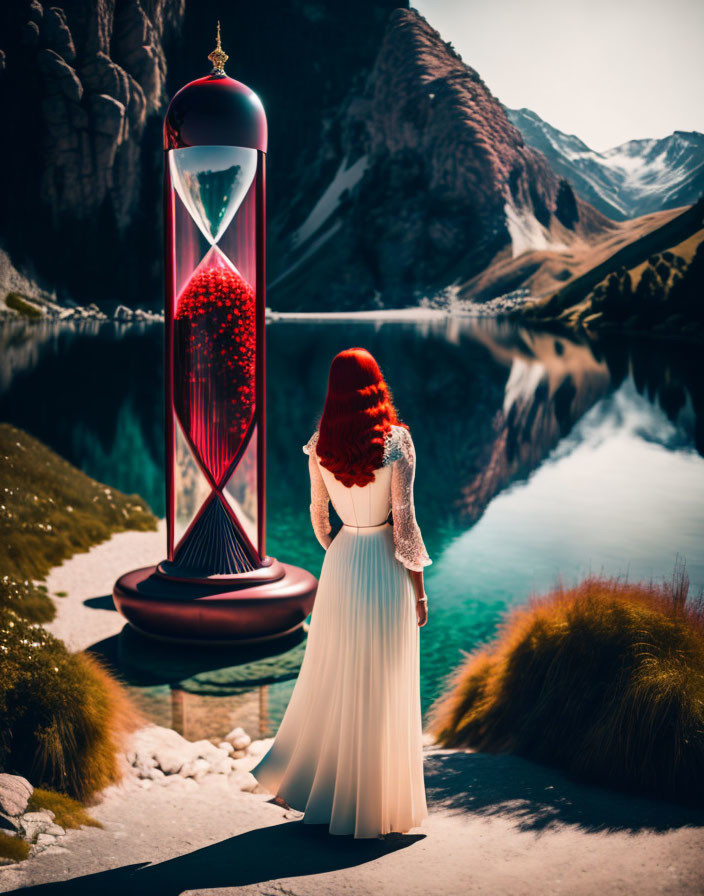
<point>349,749</point>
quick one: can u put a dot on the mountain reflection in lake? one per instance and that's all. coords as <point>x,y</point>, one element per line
<point>539,457</point>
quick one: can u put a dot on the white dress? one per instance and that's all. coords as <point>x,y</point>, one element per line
<point>349,752</point>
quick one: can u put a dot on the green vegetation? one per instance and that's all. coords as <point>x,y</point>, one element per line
<point>68,813</point>
<point>64,717</point>
<point>13,848</point>
<point>21,305</point>
<point>605,680</point>
<point>29,602</point>
<point>50,510</point>
<point>669,289</point>
<point>653,284</point>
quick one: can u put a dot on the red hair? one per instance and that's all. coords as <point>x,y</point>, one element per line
<point>358,414</point>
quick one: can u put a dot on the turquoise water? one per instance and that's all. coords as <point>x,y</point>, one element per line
<point>540,459</point>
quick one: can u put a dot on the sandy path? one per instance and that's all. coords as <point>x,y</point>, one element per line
<point>90,576</point>
<point>498,824</point>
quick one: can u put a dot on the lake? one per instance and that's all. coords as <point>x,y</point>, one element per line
<point>541,458</point>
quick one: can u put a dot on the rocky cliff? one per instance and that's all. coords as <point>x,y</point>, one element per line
<point>80,89</point>
<point>419,180</point>
<point>83,87</point>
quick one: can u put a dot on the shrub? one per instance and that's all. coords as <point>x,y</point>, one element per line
<point>64,717</point>
<point>69,813</point>
<point>605,680</point>
<point>19,303</point>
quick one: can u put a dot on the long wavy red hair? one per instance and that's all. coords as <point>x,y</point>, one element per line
<point>358,413</point>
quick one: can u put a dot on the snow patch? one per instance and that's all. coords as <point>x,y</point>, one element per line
<point>345,179</point>
<point>527,232</point>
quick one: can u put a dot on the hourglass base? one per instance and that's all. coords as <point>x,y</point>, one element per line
<point>229,612</point>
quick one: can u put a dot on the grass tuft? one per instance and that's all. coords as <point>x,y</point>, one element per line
<point>69,813</point>
<point>64,717</point>
<point>604,680</point>
<point>14,849</point>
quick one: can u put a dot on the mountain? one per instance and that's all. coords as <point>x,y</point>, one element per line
<point>420,178</point>
<point>632,179</point>
<point>83,90</point>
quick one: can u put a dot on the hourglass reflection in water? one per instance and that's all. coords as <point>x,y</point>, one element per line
<point>214,330</point>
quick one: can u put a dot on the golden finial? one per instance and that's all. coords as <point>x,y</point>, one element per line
<point>218,57</point>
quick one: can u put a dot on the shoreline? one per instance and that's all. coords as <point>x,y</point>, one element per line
<point>189,814</point>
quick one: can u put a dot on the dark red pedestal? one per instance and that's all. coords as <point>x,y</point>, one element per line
<point>244,612</point>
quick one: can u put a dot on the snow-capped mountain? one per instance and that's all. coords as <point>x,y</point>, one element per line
<point>636,178</point>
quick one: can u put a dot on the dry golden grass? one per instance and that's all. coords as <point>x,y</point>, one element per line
<point>65,717</point>
<point>605,680</point>
<point>13,848</point>
<point>68,813</point>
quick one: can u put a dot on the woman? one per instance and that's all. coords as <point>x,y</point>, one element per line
<point>348,752</point>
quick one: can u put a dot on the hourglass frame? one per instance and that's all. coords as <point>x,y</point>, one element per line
<point>217,584</point>
<point>206,448</point>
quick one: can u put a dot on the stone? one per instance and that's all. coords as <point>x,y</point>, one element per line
<point>34,823</point>
<point>223,767</point>
<point>170,761</point>
<point>227,747</point>
<point>195,767</point>
<point>239,739</point>
<point>122,312</point>
<point>15,792</point>
<point>204,749</point>
<point>259,747</point>
<point>245,781</point>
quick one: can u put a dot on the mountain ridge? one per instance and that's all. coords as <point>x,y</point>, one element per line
<point>446,182</point>
<point>635,178</point>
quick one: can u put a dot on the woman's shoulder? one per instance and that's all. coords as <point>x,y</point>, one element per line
<point>309,447</point>
<point>397,444</point>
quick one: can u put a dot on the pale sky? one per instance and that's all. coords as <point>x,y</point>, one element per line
<point>605,70</point>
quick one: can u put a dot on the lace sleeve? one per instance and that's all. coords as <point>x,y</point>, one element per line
<point>408,540</point>
<point>319,511</point>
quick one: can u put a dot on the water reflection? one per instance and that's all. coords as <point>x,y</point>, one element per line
<point>539,456</point>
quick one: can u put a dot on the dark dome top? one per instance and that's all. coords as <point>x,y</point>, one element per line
<point>215,111</point>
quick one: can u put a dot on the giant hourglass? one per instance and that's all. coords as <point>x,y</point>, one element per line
<point>217,582</point>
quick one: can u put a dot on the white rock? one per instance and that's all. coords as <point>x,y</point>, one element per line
<point>32,829</point>
<point>204,749</point>
<point>169,760</point>
<point>259,747</point>
<point>226,746</point>
<point>55,830</point>
<point>122,312</point>
<point>239,739</point>
<point>15,792</point>
<point>46,838</point>
<point>223,767</point>
<point>245,781</point>
<point>194,767</point>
